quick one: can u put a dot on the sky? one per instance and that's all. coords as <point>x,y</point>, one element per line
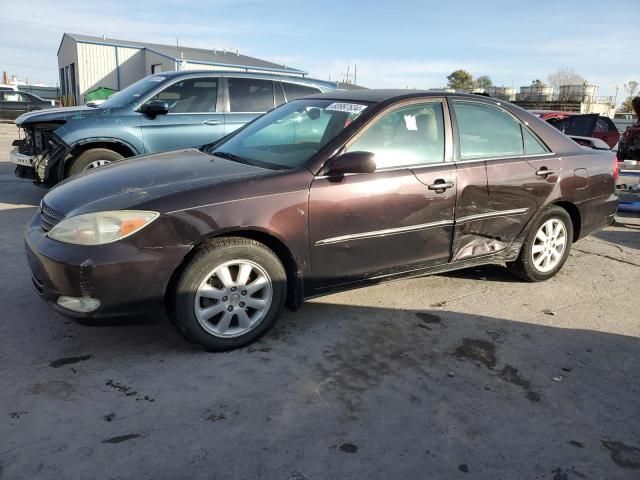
<point>412,43</point>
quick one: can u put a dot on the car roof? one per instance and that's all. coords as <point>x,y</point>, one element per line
<point>235,73</point>
<point>381,95</point>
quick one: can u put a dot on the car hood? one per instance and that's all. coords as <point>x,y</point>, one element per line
<point>142,180</point>
<point>55,115</point>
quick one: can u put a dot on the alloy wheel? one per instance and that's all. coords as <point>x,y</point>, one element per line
<point>549,245</point>
<point>96,164</point>
<point>233,298</point>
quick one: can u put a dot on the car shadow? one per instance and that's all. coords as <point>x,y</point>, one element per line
<point>351,389</point>
<point>486,273</point>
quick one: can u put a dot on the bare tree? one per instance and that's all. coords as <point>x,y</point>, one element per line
<point>565,76</point>
<point>631,87</point>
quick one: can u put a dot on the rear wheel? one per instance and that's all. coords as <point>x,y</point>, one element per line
<point>93,158</point>
<point>229,294</point>
<point>546,247</point>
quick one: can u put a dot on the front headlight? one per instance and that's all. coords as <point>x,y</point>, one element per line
<point>99,228</point>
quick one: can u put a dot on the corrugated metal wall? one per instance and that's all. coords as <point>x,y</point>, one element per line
<point>131,62</point>
<point>97,67</point>
<point>152,58</point>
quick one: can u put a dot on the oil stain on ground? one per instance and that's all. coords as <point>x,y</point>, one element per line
<point>61,362</point>
<point>121,438</point>
<point>477,350</point>
<point>369,356</point>
<point>484,352</point>
<point>624,455</point>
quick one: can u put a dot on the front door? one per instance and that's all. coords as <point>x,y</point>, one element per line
<point>195,116</point>
<point>520,175</point>
<point>397,219</point>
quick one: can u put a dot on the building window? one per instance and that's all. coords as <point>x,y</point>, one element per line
<point>156,68</point>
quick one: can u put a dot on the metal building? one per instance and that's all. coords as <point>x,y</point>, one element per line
<point>86,63</point>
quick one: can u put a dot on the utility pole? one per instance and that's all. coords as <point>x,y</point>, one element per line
<point>355,74</point>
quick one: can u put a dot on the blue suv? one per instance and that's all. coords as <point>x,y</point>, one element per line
<point>160,112</point>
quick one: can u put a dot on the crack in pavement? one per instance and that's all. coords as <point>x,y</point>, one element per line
<point>609,257</point>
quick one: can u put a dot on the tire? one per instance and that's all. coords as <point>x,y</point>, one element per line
<point>218,317</point>
<point>530,266</point>
<point>84,161</point>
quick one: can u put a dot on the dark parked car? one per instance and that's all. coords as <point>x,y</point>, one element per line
<point>160,112</point>
<point>590,125</point>
<point>323,194</point>
<point>13,103</point>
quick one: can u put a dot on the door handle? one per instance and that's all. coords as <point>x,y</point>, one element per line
<point>544,172</point>
<point>440,185</point>
<point>212,122</point>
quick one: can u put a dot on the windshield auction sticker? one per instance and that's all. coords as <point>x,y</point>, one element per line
<point>346,107</point>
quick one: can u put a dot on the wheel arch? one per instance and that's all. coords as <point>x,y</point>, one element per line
<point>574,212</point>
<point>119,146</point>
<point>271,241</point>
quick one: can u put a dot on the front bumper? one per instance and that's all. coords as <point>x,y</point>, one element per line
<point>128,280</point>
<point>20,158</point>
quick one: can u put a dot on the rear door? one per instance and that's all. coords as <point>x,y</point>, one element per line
<point>395,219</point>
<point>520,175</point>
<point>247,98</point>
<point>195,116</point>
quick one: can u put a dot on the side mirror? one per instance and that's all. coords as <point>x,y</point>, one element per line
<point>351,162</point>
<point>155,107</point>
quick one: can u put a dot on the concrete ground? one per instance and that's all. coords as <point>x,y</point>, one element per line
<point>466,375</point>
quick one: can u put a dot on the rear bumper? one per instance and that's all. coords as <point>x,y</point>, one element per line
<point>129,281</point>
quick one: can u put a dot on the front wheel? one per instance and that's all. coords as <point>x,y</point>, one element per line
<point>92,158</point>
<point>229,294</point>
<point>546,247</point>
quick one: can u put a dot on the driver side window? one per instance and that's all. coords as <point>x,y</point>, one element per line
<point>407,136</point>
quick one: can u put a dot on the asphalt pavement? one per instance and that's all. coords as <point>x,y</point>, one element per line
<point>471,374</point>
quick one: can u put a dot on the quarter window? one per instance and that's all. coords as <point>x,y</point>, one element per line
<point>293,91</point>
<point>532,145</point>
<point>194,95</point>
<point>407,136</point>
<point>486,131</point>
<point>250,95</point>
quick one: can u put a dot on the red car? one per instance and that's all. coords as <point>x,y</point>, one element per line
<point>582,125</point>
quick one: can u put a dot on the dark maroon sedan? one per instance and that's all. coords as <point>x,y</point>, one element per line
<point>325,193</point>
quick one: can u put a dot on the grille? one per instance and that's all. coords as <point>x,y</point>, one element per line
<point>49,217</point>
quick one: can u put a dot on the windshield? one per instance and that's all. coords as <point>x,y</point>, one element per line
<point>133,92</point>
<point>290,135</point>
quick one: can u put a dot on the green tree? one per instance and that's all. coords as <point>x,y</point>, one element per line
<point>460,79</point>
<point>537,83</point>
<point>626,106</point>
<point>484,81</point>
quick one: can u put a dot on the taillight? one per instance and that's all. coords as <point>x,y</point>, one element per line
<point>616,169</point>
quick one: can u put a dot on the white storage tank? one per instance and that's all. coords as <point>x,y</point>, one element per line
<point>578,93</point>
<point>535,93</point>
<point>503,93</point>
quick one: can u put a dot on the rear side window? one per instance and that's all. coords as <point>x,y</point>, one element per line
<point>486,131</point>
<point>195,95</point>
<point>293,91</point>
<point>13,96</point>
<point>250,95</point>
<point>604,125</point>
